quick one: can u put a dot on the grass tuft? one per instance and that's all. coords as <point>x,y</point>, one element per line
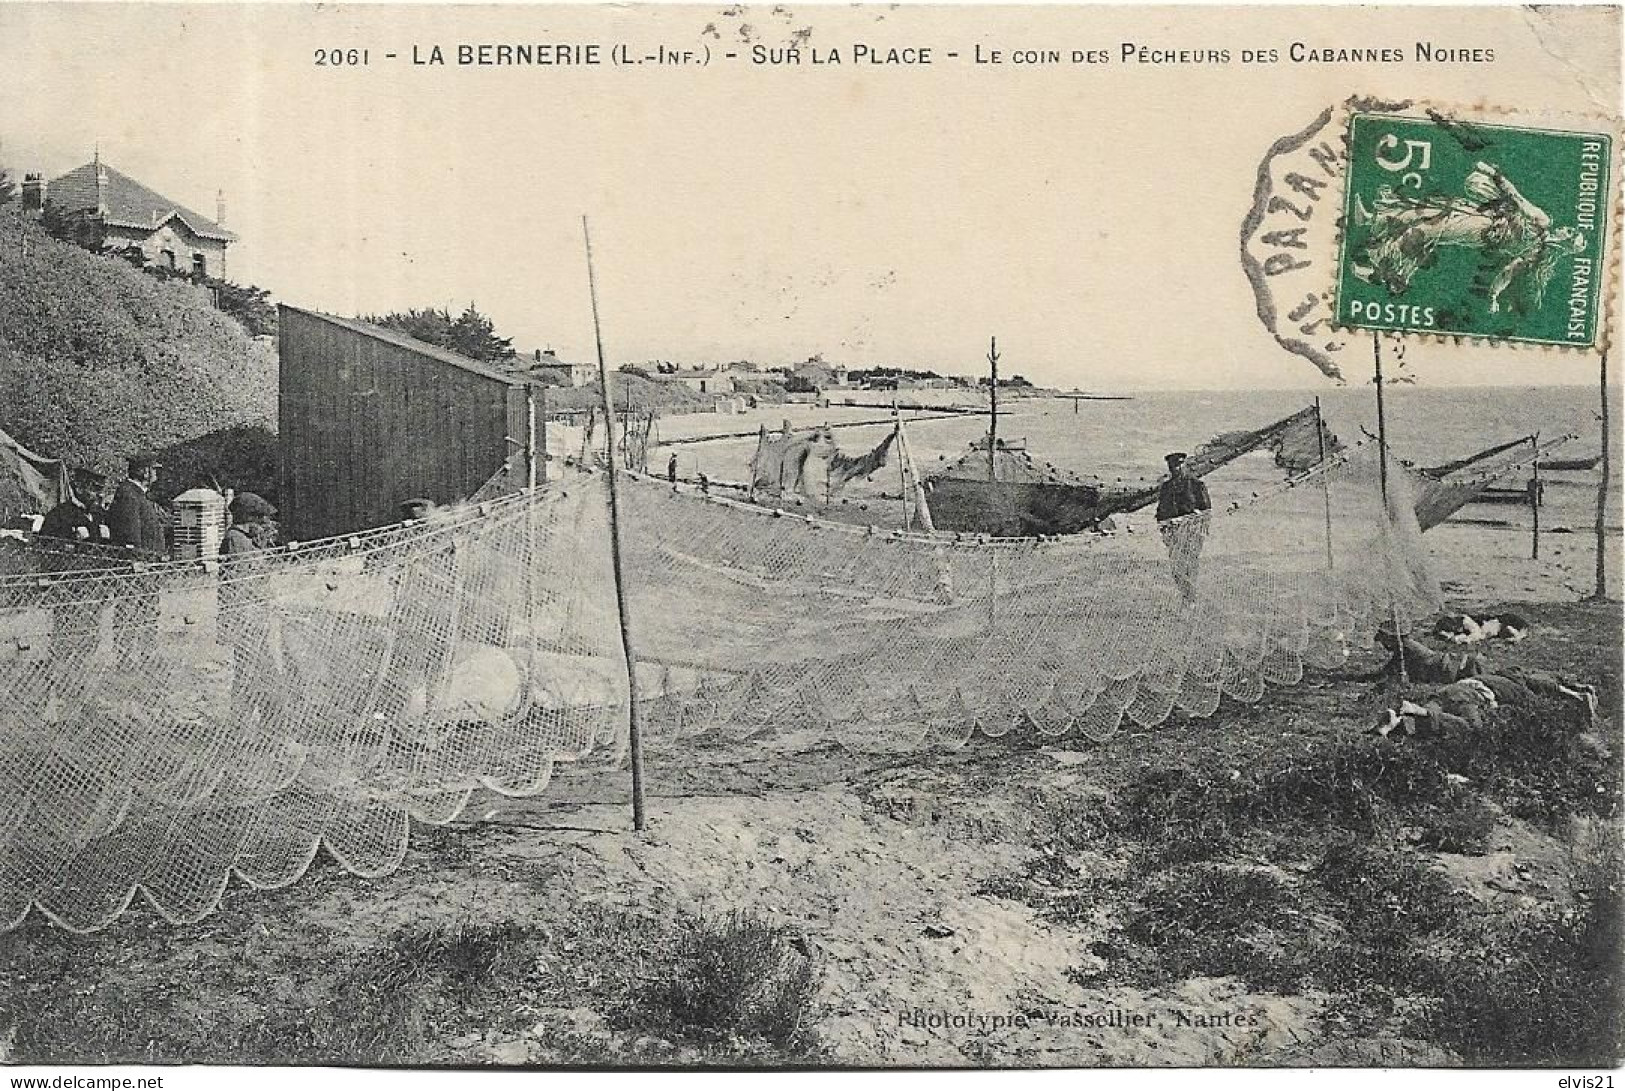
<point>738,976</point>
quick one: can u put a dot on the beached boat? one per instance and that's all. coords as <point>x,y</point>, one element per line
<point>1030,497</point>
<point>1008,494</point>
<point>1442,491</point>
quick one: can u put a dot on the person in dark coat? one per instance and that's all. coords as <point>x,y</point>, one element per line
<point>71,521</point>
<point>137,523</point>
<point>1182,514</point>
<point>134,520</point>
<point>244,618</point>
<point>671,468</point>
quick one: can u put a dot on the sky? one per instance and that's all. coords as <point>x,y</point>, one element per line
<point>1086,215</point>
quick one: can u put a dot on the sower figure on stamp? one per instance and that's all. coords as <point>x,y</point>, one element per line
<point>245,620</point>
<point>1183,498</point>
<point>135,522</point>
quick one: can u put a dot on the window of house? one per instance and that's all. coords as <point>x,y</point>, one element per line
<point>200,265</point>
<point>167,257</point>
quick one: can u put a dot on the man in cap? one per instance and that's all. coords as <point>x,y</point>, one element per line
<point>138,524</point>
<point>244,619</point>
<point>1182,514</point>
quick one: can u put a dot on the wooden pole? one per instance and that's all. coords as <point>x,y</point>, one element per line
<point>1600,593</point>
<point>993,409</point>
<point>921,506</point>
<point>543,469</point>
<point>1382,477</point>
<point>634,716</point>
<point>1325,485</point>
<point>1534,499</point>
<point>529,581</point>
<point>902,466</point>
<point>530,437</point>
<point>1382,421</point>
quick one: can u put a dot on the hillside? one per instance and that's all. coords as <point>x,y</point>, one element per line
<point>98,359</point>
<point>633,391</point>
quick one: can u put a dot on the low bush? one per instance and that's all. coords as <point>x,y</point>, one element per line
<point>738,976</point>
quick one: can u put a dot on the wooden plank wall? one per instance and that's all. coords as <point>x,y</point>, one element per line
<point>366,424</point>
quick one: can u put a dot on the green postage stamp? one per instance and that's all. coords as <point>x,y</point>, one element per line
<point>1471,229</point>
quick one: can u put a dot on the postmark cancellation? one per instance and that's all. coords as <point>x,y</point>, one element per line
<point>1455,223</point>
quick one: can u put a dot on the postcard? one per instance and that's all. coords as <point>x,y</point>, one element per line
<point>874,536</point>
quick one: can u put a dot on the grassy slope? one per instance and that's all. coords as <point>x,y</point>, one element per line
<point>1443,920</point>
<point>98,359</point>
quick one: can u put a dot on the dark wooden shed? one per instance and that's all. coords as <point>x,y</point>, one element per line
<point>370,418</point>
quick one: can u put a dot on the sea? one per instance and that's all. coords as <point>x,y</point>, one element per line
<point>1125,440</point>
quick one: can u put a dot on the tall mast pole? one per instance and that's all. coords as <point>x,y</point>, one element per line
<point>634,715</point>
<point>993,408</point>
<point>1382,420</point>
<point>1600,593</point>
<point>530,436</point>
<point>1325,485</point>
<point>1534,497</point>
<point>1387,512</point>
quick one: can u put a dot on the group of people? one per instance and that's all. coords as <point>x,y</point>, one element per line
<point>130,520</point>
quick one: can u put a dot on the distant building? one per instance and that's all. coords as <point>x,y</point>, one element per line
<point>706,382</point>
<point>819,375</point>
<point>169,234</point>
<point>542,364</point>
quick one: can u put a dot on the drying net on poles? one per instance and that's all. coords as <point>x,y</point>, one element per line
<point>167,726</point>
<point>1441,491</point>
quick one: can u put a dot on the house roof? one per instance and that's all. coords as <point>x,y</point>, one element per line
<point>129,203</point>
<point>527,367</point>
<point>530,363</point>
<point>412,344</point>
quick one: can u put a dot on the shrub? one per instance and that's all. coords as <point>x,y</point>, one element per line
<point>389,1000</point>
<point>1463,829</point>
<point>1540,991</point>
<point>79,228</point>
<point>738,975</point>
<point>250,306</point>
<point>244,457</point>
<point>1388,897</point>
<point>98,361</point>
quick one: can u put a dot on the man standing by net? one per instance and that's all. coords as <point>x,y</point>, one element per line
<point>1182,507</point>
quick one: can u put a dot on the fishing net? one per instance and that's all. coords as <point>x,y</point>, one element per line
<point>1441,491</point>
<point>809,463</point>
<point>167,726</point>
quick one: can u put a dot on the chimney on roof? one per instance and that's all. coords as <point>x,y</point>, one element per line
<point>220,207</point>
<point>33,192</point>
<point>538,354</point>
